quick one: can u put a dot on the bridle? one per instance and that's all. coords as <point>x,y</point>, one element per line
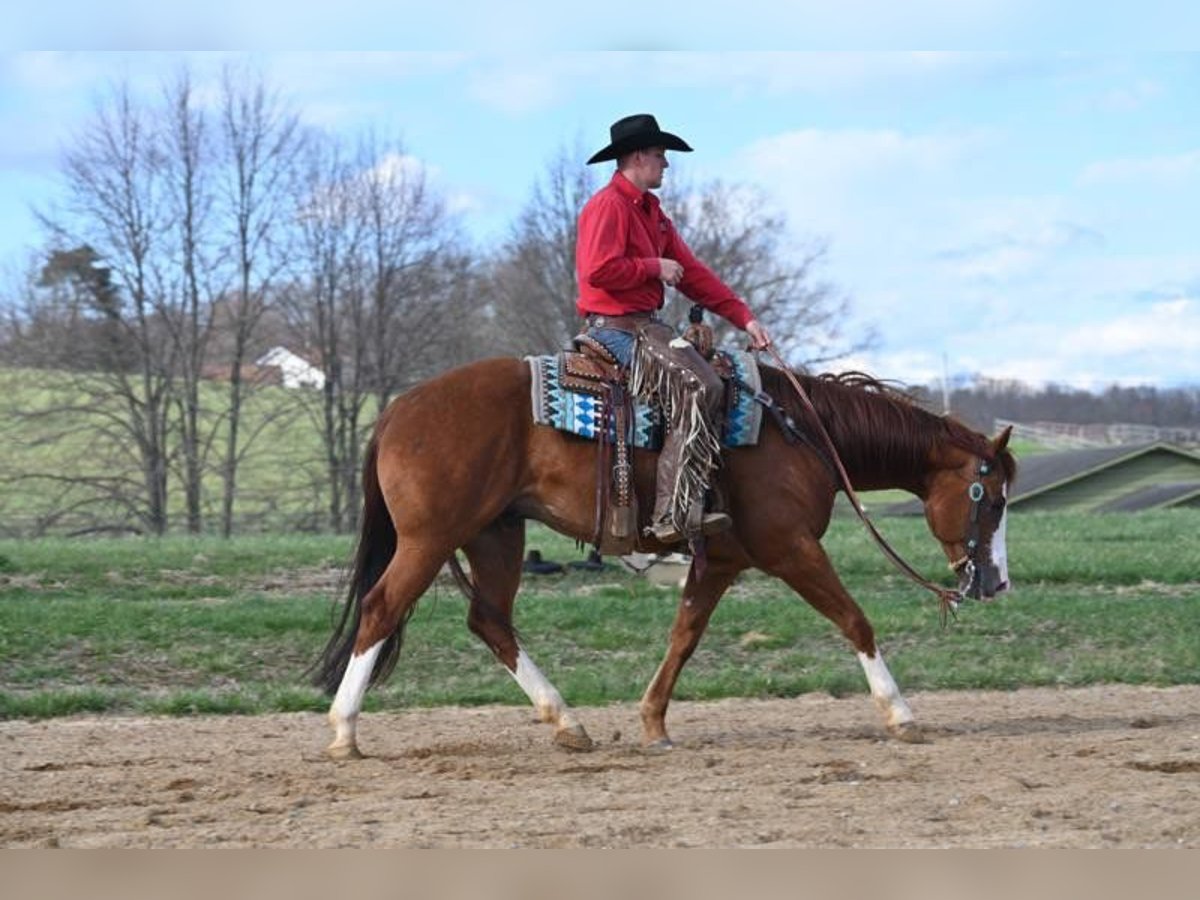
<point>968,563</point>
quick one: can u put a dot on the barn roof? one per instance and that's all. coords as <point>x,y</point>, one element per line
<point>1155,496</point>
<point>1041,473</point>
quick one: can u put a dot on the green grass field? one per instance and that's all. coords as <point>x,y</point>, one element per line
<point>183,625</point>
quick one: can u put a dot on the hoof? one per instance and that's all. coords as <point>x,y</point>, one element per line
<point>909,732</point>
<point>574,738</point>
<point>343,751</point>
<point>662,745</point>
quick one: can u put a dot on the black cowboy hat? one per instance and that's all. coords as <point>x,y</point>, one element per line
<point>637,133</point>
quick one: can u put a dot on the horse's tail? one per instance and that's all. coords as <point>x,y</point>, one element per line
<point>376,546</point>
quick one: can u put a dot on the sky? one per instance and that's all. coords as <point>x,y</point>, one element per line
<point>1031,216</point>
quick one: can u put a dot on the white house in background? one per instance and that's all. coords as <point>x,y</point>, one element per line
<point>294,371</point>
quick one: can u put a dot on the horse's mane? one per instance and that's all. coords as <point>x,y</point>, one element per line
<point>875,425</point>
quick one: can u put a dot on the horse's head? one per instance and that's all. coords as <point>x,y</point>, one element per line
<point>965,505</point>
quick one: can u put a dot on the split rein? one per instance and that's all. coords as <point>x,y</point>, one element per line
<point>947,598</point>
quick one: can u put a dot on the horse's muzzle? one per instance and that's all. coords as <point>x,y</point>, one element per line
<point>983,582</point>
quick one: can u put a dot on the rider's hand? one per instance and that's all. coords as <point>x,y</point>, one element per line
<point>759,339</point>
<point>670,271</point>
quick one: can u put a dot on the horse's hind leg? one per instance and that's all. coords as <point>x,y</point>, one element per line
<point>700,598</point>
<point>385,609</point>
<point>495,557</point>
<point>808,571</point>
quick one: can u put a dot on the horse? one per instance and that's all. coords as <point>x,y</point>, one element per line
<point>457,462</point>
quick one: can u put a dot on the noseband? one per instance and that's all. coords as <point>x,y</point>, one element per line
<point>977,493</point>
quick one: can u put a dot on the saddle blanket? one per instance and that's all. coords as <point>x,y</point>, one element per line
<point>582,414</point>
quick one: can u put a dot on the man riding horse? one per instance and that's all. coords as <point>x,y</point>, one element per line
<point>627,251</point>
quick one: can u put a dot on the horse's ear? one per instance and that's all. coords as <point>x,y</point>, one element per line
<point>1000,441</point>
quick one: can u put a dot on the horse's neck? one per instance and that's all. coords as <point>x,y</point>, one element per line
<point>877,480</point>
<point>883,458</point>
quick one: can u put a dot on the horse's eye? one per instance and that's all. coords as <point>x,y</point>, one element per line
<point>998,505</point>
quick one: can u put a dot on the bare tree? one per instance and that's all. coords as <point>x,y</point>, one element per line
<point>531,280</point>
<point>260,141</point>
<point>380,290</point>
<point>113,186</point>
<point>411,256</point>
<point>327,307</point>
<point>187,217</point>
<point>188,167</point>
<point>735,232</point>
<point>184,225</point>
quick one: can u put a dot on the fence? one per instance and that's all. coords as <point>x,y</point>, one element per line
<point>1068,435</point>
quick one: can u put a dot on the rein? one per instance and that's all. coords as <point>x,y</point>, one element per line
<point>949,599</point>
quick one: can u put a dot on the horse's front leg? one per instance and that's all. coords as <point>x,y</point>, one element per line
<point>700,598</point>
<point>809,572</point>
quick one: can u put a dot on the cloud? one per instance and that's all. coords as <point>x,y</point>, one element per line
<point>48,70</point>
<point>518,84</point>
<point>1168,327</point>
<point>1131,97</point>
<point>886,199</point>
<point>1169,169</point>
<point>853,182</point>
<point>404,168</point>
<point>1036,288</point>
<point>1158,344</point>
<point>517,91</point>
<point>854,152</point>
<point>1112,330</point>
<point>817,73</point>
<point>1018,250</point>
<point>320,72</point>
<point>910,367</point>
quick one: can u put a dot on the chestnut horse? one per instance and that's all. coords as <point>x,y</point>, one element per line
<point>457,462</point>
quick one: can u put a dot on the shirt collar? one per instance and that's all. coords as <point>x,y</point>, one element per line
<point>627,188</point>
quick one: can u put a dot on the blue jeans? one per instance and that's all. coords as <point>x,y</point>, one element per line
<point>619,343</point>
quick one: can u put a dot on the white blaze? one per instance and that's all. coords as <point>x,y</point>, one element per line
<point>999,549</point>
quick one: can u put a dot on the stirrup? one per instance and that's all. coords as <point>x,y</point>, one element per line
<point>715,523</point>
<point>665,531</point>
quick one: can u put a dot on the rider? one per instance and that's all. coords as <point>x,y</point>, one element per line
<point>627,250</point>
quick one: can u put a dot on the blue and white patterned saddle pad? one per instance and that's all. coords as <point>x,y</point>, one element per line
<point>581,414</point>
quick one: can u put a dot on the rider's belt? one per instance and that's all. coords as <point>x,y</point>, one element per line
<point>627,322</point>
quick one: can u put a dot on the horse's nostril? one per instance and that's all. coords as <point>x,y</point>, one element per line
<point>995,592</point>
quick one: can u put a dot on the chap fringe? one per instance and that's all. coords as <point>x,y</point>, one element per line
<point>653,378</point>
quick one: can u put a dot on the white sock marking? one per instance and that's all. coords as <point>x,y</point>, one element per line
<point>348,701</point>
<point>542,694</point>
<point>883,689</point>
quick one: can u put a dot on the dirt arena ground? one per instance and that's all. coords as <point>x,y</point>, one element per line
<point>1097,767</point>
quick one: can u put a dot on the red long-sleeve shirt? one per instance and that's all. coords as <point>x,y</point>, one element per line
<point>623,232</point>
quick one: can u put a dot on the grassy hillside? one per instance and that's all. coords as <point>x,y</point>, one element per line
<point>46,454</point>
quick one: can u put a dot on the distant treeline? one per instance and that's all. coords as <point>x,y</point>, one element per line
<point>981,403</point>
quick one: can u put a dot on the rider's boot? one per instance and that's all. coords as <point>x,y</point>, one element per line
<point>666,522</point>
